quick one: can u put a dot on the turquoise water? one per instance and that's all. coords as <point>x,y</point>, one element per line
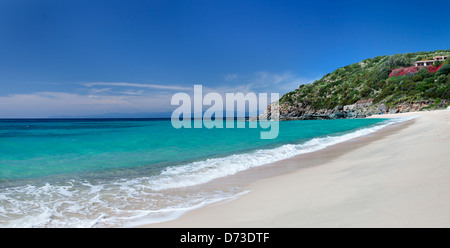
<point>36,148</point>
<point>55,169</point>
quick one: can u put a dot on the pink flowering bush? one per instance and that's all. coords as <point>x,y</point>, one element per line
<point>433,69</point>
<point>403,71</point>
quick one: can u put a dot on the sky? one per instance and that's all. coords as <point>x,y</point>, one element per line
<point>87,58</point>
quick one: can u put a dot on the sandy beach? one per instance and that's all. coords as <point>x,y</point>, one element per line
<point>396,177</point>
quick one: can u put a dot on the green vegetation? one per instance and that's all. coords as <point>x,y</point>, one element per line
<point>444,70</point>
<point>370,79</point>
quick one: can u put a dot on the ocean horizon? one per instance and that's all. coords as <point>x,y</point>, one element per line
<point>113,172</point>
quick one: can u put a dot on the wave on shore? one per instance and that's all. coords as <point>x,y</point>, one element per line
<point>146,199</point>
<point>204,171</point>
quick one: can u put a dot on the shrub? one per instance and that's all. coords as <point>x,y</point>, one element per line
<point>446,94</point>
<point>437,63</point>
<point>441,79</point>
<point>417,78</point>
<point>397,60</point>
<point>407,85</point>
<point>444,70</point>
<point>365,92</point>
<point>429,80</point>
<point>383,74</point>
<point>396,79</point>
<point>423,86</point>
<point>424,72</point>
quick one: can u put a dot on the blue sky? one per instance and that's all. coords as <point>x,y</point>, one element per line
<point>78,58</point>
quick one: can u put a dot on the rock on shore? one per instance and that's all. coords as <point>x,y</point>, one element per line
<point>361,109</point>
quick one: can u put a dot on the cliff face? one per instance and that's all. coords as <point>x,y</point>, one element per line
<point>366,88</point>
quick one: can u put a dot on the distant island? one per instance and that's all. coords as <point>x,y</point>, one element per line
<point>384,84</point>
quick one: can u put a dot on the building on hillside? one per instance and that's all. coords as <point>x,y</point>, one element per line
<point>431,61</point>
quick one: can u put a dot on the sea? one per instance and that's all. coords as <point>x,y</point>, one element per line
<point>127,172</point>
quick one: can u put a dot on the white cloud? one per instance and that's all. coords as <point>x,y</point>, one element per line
<point>101,90</point>
<point>123,97</point>
<point>132,92</point>
<point>125,84</point>
<point>48,104</point>
<point>268,82</point>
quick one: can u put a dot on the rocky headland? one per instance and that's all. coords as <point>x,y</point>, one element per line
<point>381,85</point>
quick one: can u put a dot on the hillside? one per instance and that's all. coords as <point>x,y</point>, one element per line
<point>384,84</point>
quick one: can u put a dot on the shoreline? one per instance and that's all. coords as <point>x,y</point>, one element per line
<point>272,201</point>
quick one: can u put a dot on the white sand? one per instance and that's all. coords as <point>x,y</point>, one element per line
<point>398,180</point>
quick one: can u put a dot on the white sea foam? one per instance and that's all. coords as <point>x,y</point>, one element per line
<point>142,200</point>
<point>204,171</point>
